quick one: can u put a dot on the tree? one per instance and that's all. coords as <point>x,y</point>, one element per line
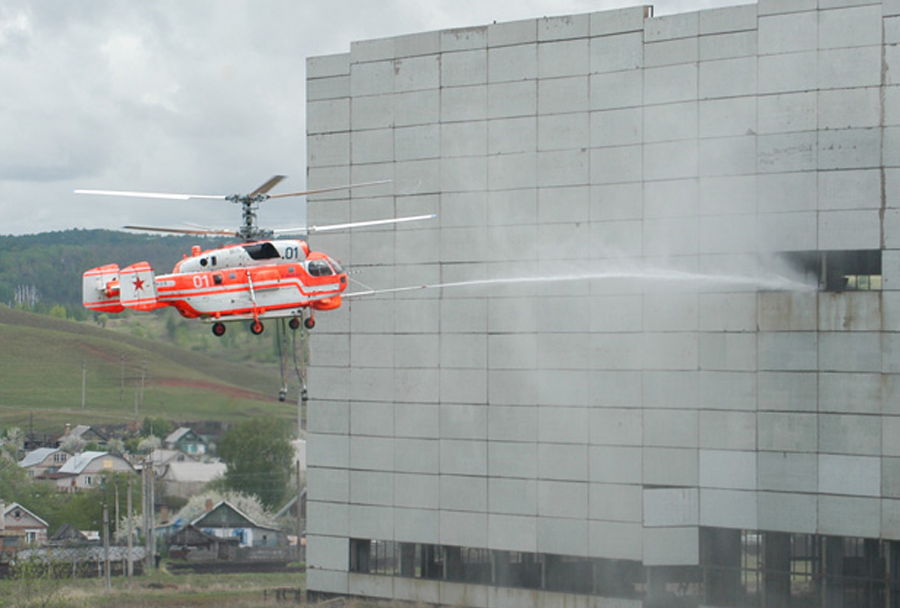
<point>148,444</point>
<point>259,458</point>
<point>12,441</point>
<point>72,444</point>
<point>158,426</point>
<point>116,446</point>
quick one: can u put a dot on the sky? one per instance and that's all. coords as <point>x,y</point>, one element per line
<point>197,97</point>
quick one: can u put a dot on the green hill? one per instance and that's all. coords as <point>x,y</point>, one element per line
<point>44,270</point>
<point>43,361</point>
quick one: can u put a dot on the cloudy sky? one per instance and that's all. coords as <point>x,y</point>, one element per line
<point>200,96</point>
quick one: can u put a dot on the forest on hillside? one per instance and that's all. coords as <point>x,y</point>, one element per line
<point>42,272</point>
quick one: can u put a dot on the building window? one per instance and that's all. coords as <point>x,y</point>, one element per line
<point>856,270</point>
<point>738,568</point>
<point>373,556</point>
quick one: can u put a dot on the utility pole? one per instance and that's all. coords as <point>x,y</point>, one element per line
<point>106,545</point>
<point>143,374</point>
<point>122,379</point>
<point>83,383</point>
<point>152,513</point>
<point>116,521</point>
<point>130,541</point>
<point>148,515</point>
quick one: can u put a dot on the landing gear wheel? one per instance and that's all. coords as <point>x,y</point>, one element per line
<point>309,323</point>
<point>256,327</point>
<point>294,323</point>
<point>218,329</point>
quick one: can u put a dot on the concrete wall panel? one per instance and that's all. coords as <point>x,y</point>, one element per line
<point>606,417</point>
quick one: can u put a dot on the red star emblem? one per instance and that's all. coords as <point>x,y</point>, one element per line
<point>138,284</point>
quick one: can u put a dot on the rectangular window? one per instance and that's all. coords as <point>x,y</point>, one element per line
<point>838,271</point>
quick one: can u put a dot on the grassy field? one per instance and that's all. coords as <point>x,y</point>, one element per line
<point>152,591</point>
<point>43,361</point>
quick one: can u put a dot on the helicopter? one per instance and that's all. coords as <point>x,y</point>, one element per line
<point>262,277</point>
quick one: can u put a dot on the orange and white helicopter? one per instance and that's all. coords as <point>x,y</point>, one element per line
<point>260,278</point>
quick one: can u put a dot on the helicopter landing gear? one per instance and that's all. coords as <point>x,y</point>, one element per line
<point>294,323</point>
<point>309,322</point>
<point>218,329</point>
<point>256,327</point>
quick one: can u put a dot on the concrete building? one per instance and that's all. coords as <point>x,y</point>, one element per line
<point>681,423</point>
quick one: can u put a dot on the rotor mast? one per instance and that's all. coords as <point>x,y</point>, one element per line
<point>249,230</point>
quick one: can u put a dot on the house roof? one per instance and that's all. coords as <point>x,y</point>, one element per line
<point>165,456</point>
<point>226,515</point>
<point>223,515</point>
<point>37,457</point>
<point>85,432</point>
<point>68,532</point>
<point>191,471</point>
<point>180,433</point>
<point>12,508</point>
<point>79,462</point>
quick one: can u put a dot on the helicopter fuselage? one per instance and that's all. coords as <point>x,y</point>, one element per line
<point>255,280</point>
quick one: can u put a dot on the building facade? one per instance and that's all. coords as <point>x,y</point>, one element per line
<point>707,408</point>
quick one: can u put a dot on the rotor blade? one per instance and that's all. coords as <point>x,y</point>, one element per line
<point>273,181</point>
<point>311,229</point>
<point>396,220</point>
<point>177,197</point>
<point>332,189</point>
<point>182,230</point>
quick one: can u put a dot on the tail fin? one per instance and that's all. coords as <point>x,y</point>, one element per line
<point>137,284</point>
<point>100,289</point>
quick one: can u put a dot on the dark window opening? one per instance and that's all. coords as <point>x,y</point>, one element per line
<point>738,568</point>
<point>262,251</point>
<point>373,556</point>
<point>856,270</point>
<point>217,279</point>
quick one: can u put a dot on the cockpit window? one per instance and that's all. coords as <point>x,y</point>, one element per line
<point>336,265</point>
<point>318,268</point>
<point>262,251</point>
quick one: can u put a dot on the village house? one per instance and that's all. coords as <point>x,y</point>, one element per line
<point>185,478</point>
<point>196,545</point>
<point>226,521</point>
<point>20,528</point>
<point>187,441</point>
<point>85,433</point>
<point>69,536</point>
<point>161,458</point>
<point>43,461</point>
<point>83,471</point>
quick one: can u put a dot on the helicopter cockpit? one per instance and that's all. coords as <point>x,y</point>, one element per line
<point>323,267</point>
